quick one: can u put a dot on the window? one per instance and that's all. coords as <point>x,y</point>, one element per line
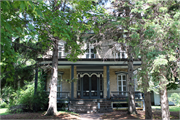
<point>59,54</point>
<point>121,82</point>
<point>59,86</point>
<point>90,51</point>
<point>61,51</point>
<point>121,55</point>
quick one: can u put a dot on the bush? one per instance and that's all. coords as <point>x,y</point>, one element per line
<point>33,102</point>
<point>3,105</point>
<point>25,97</point>
<point>175,98</point>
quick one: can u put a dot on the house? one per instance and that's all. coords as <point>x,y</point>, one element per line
<point>94,81</point>
<point>155,97</point>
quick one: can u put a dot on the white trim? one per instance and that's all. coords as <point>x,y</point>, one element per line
<point>92,62</point>
<point>90,75</point>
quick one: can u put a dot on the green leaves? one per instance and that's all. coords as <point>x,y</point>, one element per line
<point>175,98</point>
<point>22,6</point>
<point>31,26</point>
<point>160,60</point>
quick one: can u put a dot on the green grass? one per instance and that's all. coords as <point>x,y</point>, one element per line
<point>171,108</point>
<point>174,108</point>
<point>3,111</point>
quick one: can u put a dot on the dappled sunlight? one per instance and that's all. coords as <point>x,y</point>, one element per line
<point>84,116</point>
<point>64,115</point>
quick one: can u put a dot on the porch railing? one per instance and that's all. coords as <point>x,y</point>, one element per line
<point>124,95</point>
<point>61,95</point>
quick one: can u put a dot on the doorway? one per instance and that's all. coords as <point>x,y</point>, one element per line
<point>90,87</point>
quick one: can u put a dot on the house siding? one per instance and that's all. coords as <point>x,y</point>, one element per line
<point>113,78</point>
<point>65,85</point>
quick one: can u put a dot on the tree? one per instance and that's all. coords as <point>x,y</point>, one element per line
<point>42,24</point>
<point>160,32</point>
<point>115,29</point>
<point>66,23</point>
<point>20,43</point>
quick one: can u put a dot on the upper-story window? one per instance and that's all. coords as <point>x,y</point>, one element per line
<point>121,55</point>
<point>61,50</point>
<point>90,51</point>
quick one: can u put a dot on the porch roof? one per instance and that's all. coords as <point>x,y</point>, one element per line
<point>99,62</point>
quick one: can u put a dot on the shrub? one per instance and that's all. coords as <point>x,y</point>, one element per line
<point>31,101</point>
<point>175,98</point>
<point>3,105</point>
<point>24,99</point>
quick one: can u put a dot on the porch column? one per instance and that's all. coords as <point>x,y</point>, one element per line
<point>108,83</point>
<point>36,81</point>
<point>72,83</point>
<point>35,89</point>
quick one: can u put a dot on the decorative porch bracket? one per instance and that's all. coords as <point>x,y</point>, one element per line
<point>72,83</point>
<point>108,83</point>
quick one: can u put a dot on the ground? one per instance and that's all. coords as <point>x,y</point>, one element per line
<point>40,115</point>
<point>68,115</point>
<point>140,115</point>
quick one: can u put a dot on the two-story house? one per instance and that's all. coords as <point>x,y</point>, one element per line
<point>98,76</point>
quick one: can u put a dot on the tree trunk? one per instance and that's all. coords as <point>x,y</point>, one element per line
<point>52,109</point>
<point>130,81</point>
<point>145,85</point>
<point>148,109</point>
<point>164,101</point>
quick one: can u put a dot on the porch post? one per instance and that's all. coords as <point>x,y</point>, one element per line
<point>35,88</point>
<point>108,83</point>
<point>72,83</point>
<point>36,80</point>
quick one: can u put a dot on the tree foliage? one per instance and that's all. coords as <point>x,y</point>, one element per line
<point>175,99</point>
<point>21,42</point>
<point>158,30</point>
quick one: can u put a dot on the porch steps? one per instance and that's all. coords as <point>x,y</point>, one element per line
<point>105,106</point>
<point>90,106</point>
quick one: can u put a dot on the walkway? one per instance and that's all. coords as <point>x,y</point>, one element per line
<point>90,116</point>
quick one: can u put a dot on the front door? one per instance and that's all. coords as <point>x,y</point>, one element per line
<point>90,87</point>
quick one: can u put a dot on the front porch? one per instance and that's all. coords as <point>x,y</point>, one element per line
<point>94,80</point>
<point>118,101</point>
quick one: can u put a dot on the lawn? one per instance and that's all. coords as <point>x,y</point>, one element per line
<point>3,111</point>
<point>171,108</point>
